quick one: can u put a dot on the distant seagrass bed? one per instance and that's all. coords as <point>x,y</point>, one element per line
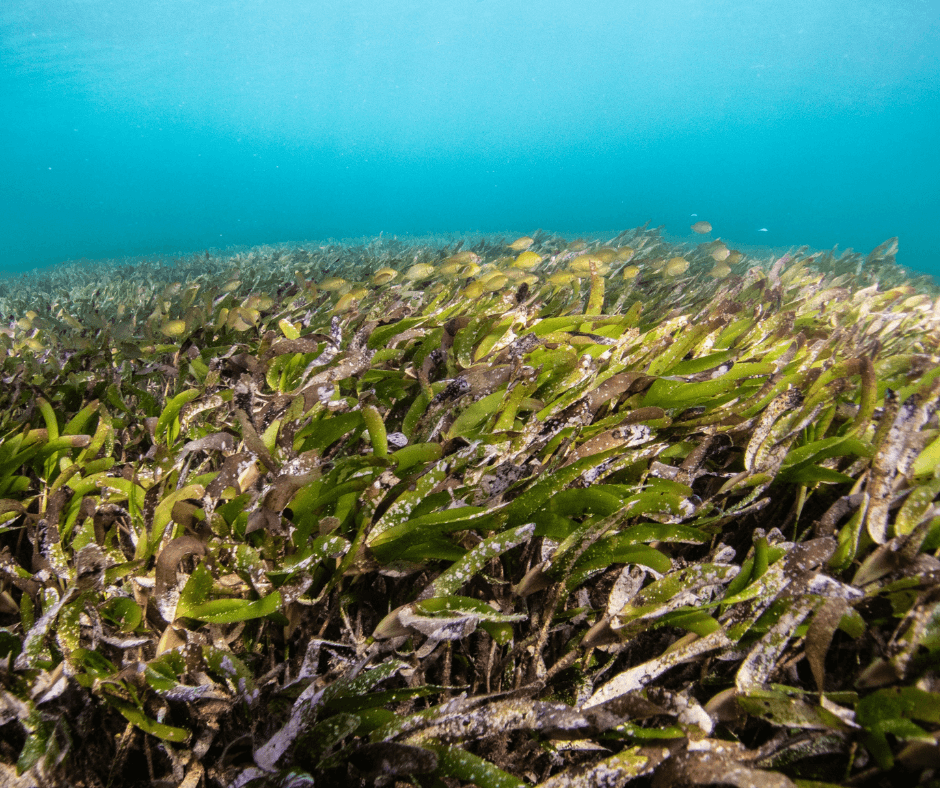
<point>471,510</point>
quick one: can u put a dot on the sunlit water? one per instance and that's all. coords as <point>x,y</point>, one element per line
<point>155,128</point>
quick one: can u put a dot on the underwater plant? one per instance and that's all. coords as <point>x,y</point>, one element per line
<point>495,512</point>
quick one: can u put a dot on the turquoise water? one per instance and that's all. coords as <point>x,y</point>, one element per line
<point>135,129</point>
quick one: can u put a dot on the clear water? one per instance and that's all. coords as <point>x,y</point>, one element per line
<point>131,128</point>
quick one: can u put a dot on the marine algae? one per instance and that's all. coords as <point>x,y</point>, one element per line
<point>574,515</point>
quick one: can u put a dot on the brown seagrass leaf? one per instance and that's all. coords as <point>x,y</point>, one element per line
<point>105,516</point>
<point>808,555</point>
<point>685,708</point>
<point>306,344</point>
<point>254,443</point>
<point>263,519</point>
<point>899,555</point>
<point>611,772</point>
<point>355,362</point>
<point>761,661</point>
<point>625,588</point>
<point>716,762</point>
<point>688,471</point>
<point>184,513</point>
<point>779,407</point>
<point>627,437</point>
<point>229,475</point>
<point>826,525</point>
<point>894,456</point>
<point>386,760</point>
<point>243,362</point>
<point>632,706</point>
<point>555,720</point>
<point>819,636</point>
<point>217,441</point>
<point>484,379</point>
<point>86,509</point>
<point>294,475</point>
<point>648,413</point>
<point>636,678</point>
<point>711,374</point>
<point>54,506</point>
<point>90,563</point>
<point>611,388</point>
<point>165,573</point>
<point>8,505</point>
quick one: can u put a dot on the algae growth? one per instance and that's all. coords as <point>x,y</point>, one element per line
<point>509,512</point>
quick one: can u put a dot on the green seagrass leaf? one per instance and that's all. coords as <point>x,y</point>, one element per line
<point>228,611</point>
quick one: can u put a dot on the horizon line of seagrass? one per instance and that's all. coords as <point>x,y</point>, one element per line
<point>500,512</point>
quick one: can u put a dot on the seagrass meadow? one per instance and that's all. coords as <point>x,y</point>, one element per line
<point>504,512</point>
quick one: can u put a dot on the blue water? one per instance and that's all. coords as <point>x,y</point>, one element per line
<point>131,128</point>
